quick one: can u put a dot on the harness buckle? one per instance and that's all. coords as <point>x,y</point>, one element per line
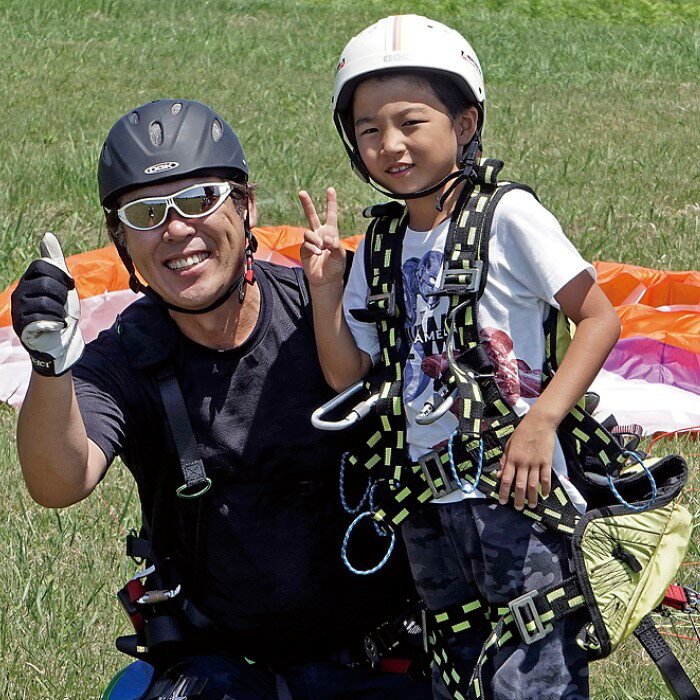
<point>460,281</point>
<point>389,311</point>
<point>524,612</point>
<point>431,462</point>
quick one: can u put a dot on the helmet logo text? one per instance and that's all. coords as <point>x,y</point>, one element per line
<point>388,58</point>
<point>161,167</point>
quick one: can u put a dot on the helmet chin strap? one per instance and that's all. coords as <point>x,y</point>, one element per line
<point>240,283</point>
<point>466,173</point>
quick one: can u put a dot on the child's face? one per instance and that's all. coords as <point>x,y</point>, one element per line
<point>405,136</point>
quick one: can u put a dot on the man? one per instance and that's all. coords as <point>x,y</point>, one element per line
<point>204,388</point>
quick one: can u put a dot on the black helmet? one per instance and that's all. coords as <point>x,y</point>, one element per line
<point>167,140</point>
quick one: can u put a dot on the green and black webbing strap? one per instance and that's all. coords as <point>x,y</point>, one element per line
<point>530,617</point>
<point>385,451</point>
<point>595,439</point>
<point>457,620</point>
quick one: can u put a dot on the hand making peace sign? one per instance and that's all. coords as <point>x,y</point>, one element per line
<point>322,256</point>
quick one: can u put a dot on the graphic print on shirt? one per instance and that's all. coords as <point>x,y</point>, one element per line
<point>514,377</point>
<point>426,365</point>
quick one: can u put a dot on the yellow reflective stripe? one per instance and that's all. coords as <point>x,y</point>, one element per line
<point>468,607</point>
<point>402,494</point>
<point>461,627</point>
<point>603,436</point>
<point>580,434</point>
<point>400,516</point>
<point>372,461</point>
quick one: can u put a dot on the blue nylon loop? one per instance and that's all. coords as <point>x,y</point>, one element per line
<point>465,489</point>
<point>344,548</point>
<point>652,482</point>
<point>343,500</point>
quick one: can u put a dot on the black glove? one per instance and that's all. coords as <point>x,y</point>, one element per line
<point>46,310</point>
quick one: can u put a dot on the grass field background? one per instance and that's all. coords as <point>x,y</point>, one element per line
<point>594,103</point>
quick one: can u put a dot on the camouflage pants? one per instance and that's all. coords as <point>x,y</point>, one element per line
<point>476,549</point>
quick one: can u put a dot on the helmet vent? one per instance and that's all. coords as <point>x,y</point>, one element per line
<point>217,130</point>
<point>176,108</point>
<point>156,133</point>
<point>134,117</point>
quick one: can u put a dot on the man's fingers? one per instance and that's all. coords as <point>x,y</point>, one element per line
<point>331,208</point>
<point>309,210</point>
<point>50,248</point>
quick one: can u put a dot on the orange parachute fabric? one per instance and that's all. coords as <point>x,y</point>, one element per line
<point>657,356</point>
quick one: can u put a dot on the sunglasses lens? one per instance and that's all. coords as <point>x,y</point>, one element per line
<point>145,214</point>
<point>199,200</point>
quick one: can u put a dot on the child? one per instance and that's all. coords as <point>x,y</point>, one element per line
<point>409,106</point>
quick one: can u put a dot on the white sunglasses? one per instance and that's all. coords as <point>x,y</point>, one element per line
<point>193,202</point>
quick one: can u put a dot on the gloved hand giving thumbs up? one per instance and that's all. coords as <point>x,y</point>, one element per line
<point>46,310</point>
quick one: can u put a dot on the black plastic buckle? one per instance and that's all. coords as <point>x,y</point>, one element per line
<point>373,301</point>
<point>524,612</point>
<point>431,462</point>
<point>451,283</point>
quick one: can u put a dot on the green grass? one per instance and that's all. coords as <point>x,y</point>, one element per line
<point>595,103</point>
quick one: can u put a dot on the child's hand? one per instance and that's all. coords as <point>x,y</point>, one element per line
<point>322,256</point>
<point>527,460</point>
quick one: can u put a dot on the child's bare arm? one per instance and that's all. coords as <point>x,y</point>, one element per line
<point>527,459</point>
<point>323,259</point>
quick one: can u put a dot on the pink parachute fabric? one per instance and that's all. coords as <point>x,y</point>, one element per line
<point>652,376</point>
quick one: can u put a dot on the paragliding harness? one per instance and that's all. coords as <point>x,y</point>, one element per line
<point>626,548</point>
<point>165,620</point>
<point>153,600</point>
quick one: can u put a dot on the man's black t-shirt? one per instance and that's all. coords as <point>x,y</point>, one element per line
<point>271,525</point>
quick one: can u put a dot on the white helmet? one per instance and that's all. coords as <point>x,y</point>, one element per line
<point>400,43</point>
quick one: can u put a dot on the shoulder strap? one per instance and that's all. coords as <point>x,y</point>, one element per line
<point>196,482</point>
<point>382,261</point>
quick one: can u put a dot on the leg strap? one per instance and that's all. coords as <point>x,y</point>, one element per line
<point>529,617</point>
<point>662,655</point>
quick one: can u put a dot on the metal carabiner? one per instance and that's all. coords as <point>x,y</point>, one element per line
<point>436,406</point>
<point>159,596</point>
<point>143,573</point>
<point>356,414</point>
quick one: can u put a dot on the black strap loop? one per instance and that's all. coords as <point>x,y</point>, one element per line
<point>197,483</point>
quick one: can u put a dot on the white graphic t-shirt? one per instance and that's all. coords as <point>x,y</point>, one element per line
<point>530,260</point>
